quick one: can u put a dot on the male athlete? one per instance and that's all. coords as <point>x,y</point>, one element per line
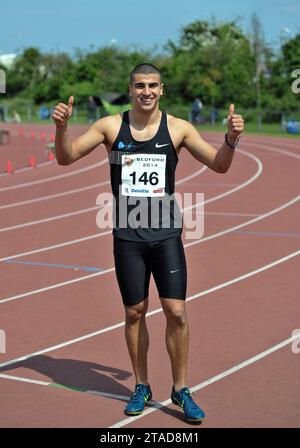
<point>143,146</point>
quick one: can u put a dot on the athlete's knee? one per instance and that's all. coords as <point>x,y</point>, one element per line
<point>175,312</point>
<point>137,312</point>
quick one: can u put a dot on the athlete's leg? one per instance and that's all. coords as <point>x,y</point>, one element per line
<point>177,339</point>
<point>169,271</point>
<point>137,339</point>
<point>133,275</point>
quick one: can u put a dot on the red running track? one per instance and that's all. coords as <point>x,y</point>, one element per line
<point>64,320</point>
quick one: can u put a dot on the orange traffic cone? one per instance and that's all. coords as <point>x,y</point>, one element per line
<point>32,133</point>
<point>32,161</point>
<point>9,168</point>
<point>51,156</point>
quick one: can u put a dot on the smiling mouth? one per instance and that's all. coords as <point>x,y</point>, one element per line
<point>146,100</point>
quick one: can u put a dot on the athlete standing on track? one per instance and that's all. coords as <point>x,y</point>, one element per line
<point>151,247</point>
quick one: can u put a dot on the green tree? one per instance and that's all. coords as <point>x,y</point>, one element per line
<point>213,61</point>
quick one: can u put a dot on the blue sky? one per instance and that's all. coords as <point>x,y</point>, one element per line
<point>62,25</point>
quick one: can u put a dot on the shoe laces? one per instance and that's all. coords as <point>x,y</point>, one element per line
<point>187,399</point>
<point>140,391</point>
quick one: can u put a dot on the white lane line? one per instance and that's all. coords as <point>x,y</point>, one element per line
<point>70,388</point>
<point>212,380</point>
<point>251,221</point>
<point>87,210</point>
<point>55,246</point>
<point>97,235</point>
<point>269,148</point>
<point>235,189</point>
<point>80,190</point>
<point>27,168</point>
<point>19,296</point>
<point>230,214</point>
<point>50,179</point>
<point>200,241</point>
<point>158,405</point>
<point>274,149</point>
<point>156,311</point>
<point>191,176</point>
<point>54,196</point>
<point>77,212</point>
<point>24,380</point>
<point>57,285</point>
<point>52,218</point>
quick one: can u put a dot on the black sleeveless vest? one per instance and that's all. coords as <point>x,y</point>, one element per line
<point>166,221</point>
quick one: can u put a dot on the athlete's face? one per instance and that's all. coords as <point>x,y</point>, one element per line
<point>146,91</point>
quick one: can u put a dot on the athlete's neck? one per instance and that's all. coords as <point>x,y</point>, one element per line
<point>142,119</point>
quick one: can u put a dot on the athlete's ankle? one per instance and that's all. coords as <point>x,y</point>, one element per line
<point>179,386</point>
<point>142,381</point>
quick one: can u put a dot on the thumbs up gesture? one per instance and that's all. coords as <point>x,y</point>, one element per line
<point>62,112</point>
<point>235,124</point>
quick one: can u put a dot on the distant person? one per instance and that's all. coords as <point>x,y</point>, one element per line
<point>16,117</point>
<point>214,116</point>
<point>197,109</point>
<point>2,115</point>
<point>44,113</point>
<point>91,109</point>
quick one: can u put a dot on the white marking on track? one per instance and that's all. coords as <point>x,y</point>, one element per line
<point>78,212</point>
<point>79,190</point>
<point>278,150</point>
<point>156,311</point>
<point>210,381</point>
<point>54,196</point>
<point>65,387</point>
<point>57,285</point>
<point>159,405</point>
<point>55,246</point>
<point>50,179</point>
<point>218,377</point>
<point>251,221</point>
<point>52,218</point>
<point>202,240</point>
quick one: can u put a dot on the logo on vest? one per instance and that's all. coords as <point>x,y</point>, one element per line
<point>122,145</point>
<point>160,146</point>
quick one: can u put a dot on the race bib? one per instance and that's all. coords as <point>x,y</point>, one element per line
<point>143,175</point>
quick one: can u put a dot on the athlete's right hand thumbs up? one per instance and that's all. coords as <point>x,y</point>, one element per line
<point>62,112</point>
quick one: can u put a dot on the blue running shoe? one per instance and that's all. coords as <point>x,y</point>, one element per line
<point>138,399</point>
<point>184,399</point>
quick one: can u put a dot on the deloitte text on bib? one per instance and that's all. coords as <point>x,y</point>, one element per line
<point>143,175</point>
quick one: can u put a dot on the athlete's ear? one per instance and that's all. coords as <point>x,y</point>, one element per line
<point>161,89</point>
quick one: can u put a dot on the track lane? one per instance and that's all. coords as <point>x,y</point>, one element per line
<point>240,262</point>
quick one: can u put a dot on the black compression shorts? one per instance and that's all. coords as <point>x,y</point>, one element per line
<point>135,261</point>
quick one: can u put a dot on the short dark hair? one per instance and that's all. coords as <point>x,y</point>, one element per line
<point>144,69</point>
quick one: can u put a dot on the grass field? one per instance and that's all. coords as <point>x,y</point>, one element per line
<point>250,128</point>
<point>80,117</point>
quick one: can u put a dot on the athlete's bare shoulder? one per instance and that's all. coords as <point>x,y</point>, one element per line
<point>177,128</point>
<point>109,126</point>
<point>177,123</point>
<point>110,121</point>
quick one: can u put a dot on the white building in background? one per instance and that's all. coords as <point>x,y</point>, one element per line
<point>7,59</point>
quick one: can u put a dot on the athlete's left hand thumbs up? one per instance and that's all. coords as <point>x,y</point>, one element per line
<point>235,123</point>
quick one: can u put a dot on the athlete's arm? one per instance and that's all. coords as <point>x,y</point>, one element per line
<point>220,159</point>
<point>68,151</point>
